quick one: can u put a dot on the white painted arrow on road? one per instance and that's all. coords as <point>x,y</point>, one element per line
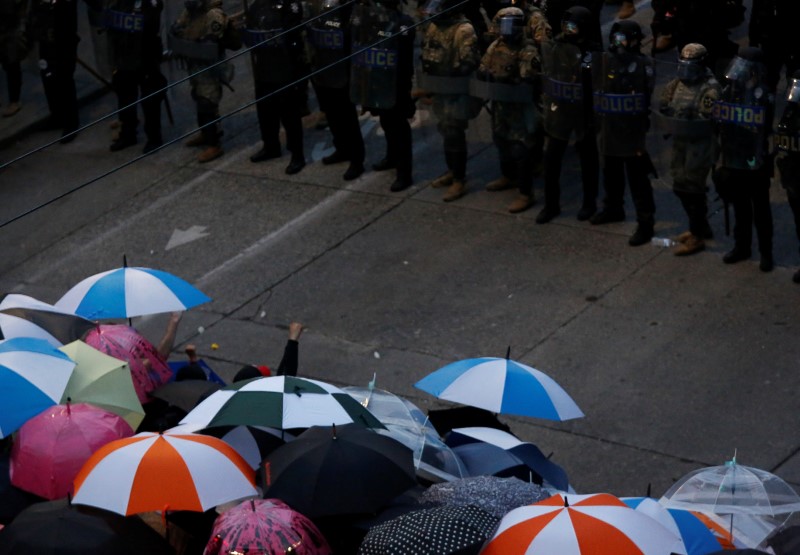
<point>181,237</point>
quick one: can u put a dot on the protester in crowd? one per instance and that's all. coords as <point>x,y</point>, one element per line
<point>567,111</point>
<point>623,81</point>
<point>134,30</point>
<point>280,68</point>
<point>450,55</point>
<point>787,142</point>
<point>55,27</point>
<point>686,105</point>
<point>506,75</point>
<point>329,43</point>
<point>13,49</point>
<point>773,28</point>
<point>288,364</point>
<point>200,36</point>
<point>381,76</point>
<point>742,174</point>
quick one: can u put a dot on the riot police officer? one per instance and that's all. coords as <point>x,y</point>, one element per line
<point>55,27</point>
<point>623,81</point>
<point>328,36</point>
<point>449,56</point>
<point>505,78</point>
<point>280,68</point>
<point>743,117</point>
<point>787,141</point>
<point>199,37</point>
<point>567,111</point>
<point>382,69</point>
<point>134,29</point>
<point>685,112</point>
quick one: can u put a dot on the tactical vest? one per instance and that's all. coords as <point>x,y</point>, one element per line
<point>787,144</point>
<point>189,38</point>
<point>684,116</point>
<point>501,79</point>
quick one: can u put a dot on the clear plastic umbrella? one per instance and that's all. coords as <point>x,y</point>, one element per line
<point>406,423</point>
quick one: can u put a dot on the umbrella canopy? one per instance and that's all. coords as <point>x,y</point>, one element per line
<point>148,368</point>
<point>33,375</point>
<point>185,394</point>
<point>12,499</point>
<point>103,381</point>
<point>491,493</point>
<point>502,386</point>
<point>253,443</point>
<point>128,292</point>
<point>338,470</point>
<point>406,423</point>
<point>58,528</point>
<point>268,527</point>
<point>156,472</point>
<point>696,537</point>
<point>436,531</point>
<point>528,453</point>
<point>597,523</point>
<point>23,316</point>
<point>280,402</point>
<point>485,459</point>
<point>51,447</point>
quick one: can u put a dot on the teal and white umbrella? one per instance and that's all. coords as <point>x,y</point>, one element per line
<point>282,402</point>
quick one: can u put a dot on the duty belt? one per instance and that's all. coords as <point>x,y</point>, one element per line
<point>620,104</point>
<point>327,39</point>
<point>269,37</point>
<point>439,84</point>
<point>123,21</point>
<point>202,51</point>
<point>561,90</point>
<point>739,114</point>
<point>502,92</point>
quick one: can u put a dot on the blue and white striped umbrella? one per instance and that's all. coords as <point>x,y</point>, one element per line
<point>502,386</point>
<point>33,377</point>
<point>128,292</point>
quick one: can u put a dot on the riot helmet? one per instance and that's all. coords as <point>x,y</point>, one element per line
<point>793,90</point>
<point>745,76</point>
<point>575,23</point>
<point>328,5</point>
<point>511,24</point>
<point>625,36</point>
<point>434,8</point>
<point>691,63</point>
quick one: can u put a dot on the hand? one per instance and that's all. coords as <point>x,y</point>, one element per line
<point>295,330</point>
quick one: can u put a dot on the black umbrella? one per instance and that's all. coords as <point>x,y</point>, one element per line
<point>60,528</point>
<point>445,420</point>
<point>12,499</point>
<point>447,530</point>
<point>485,459</point>
<point>185,394</point>
<point>338,470</point>
<point>785,540</point>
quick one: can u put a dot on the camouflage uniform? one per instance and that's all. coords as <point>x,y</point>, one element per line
<point>514,116</point>
<point>13,46</point>
<point>450,49</point>
<point>206,26</point>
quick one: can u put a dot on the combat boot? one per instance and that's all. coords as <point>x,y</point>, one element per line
<point>642,235</point>
<point>210,153</point>
<point>521,204</point>
<point>197,140</point>
<point>456,190</point>
<point>689,245</point>
<point>444,180</point>
<point>502,183</point>
<point>683,237</point>
<point>626,10</point>
<point>606,216</point>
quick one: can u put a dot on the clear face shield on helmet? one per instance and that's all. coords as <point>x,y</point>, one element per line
<point>744,71</point>
<point>690,71</point>
<point>328,5</point>
<point>511,28</point>
<point>619,41</point>
<point>570,28</point>
<point>793,91</point>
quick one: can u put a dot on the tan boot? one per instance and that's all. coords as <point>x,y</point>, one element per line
<point>444,180</point>
<point>211,153</point>
<point>500,184</point>
<point>12,109</point>
<point>455,191</point>
<point>683,237</point>
<point>626,10</point>
<point>692,245</point>
<point>521,204</point>
<point>197,140</point>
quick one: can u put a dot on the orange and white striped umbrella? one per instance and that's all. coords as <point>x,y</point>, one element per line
<point>596,524</point>
<point>156,472</point>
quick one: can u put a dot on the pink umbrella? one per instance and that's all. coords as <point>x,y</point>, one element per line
<point>268,527</point>
<point>148,368</point>
<point>51,447</point>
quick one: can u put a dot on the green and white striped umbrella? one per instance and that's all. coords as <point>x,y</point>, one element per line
<point>280,402</point>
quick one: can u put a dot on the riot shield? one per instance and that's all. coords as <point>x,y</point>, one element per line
<point>265,32</point>
<point>373,67</point>
<point>562,90</point>
<point>622,83</point>
<point>787,143</point>
<point>329,45</point>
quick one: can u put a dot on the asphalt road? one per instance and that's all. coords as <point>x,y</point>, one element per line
<point>677,363</point>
